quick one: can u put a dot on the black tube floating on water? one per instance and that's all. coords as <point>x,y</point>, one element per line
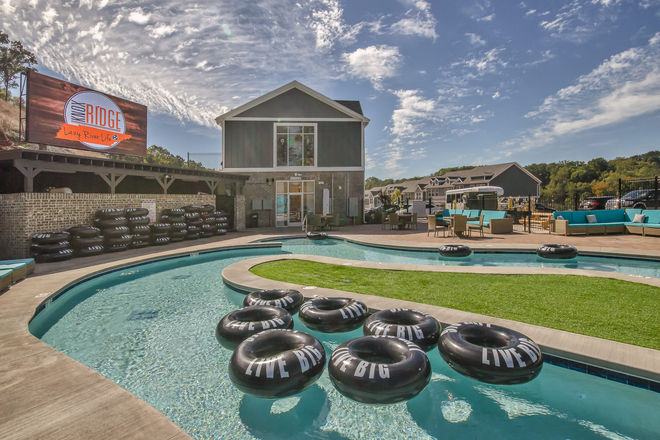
<point>557,251</point>
<point>288,299</point>
<point>276,363</point>
<point>455,251</point>
<point>237,326</point>
<point>333,315</point>
<point>379,370</point>
<point>413,325</point>
<point>490,353</point>
<point>317,235</point>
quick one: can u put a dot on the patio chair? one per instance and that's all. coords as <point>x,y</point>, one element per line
<point>317,222</point>
<point>395,221</point>
<point>435,227</point>
<point>385,221</point>
<point>413,221</point>
<point>479,227</point>
<point>459,225</point>
<point>334,224</point>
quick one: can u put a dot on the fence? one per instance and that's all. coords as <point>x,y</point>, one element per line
<point>631,193</point>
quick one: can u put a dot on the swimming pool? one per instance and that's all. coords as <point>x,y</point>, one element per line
<point>150,328</point>
<point>644,267</point>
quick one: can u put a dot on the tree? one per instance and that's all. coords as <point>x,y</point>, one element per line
<point>14,59</point>
<point>396,196</point>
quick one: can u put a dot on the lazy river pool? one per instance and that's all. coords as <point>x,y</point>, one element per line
<point>150,328</point>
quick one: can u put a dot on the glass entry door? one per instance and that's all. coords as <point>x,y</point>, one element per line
<point>295,199</point>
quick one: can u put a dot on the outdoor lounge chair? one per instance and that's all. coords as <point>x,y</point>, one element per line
<point>413,222</point>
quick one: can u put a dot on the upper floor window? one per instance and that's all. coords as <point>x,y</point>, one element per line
<point>295,145</point>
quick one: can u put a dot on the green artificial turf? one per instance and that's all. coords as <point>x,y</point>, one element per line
<point>601,307</point>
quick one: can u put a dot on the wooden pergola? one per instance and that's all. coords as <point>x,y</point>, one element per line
<point>32,162</point>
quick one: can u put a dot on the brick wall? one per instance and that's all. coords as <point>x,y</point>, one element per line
<point>257,188</point>
<point>23,215</point>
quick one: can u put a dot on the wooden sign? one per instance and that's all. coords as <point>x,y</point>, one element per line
<point>66,115</point>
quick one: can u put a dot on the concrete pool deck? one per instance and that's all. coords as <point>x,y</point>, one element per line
<point>46,394</point>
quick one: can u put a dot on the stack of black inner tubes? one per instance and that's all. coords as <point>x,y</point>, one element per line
<point>160,234</point>
<point>86,241</point>
<point>51,247</point>
<point>221,225</point>
<point>208,221</point>
<point>114,227</point>
<point>193,221</point>
<point>138,225</point>
<point>174,217</point>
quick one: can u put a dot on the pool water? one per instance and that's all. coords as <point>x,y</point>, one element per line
<point>150,329</point>
<point>351,251</point>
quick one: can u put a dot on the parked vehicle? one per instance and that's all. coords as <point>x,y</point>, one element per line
<point>542,208</point>
<point>593,203</point>
<point>638,199</point>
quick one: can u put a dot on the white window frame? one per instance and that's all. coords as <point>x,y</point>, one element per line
<point>316,142</point>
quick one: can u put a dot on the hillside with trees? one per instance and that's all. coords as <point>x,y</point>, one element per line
<point>559,180</point>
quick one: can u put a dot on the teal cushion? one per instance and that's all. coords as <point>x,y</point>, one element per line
<point>473,222</point>
<point>651,225</point>
<point>5,273</point>
<point>652,216</point>
<point>601,216</point>
<point>579,217</point>
<point>11,266</point>
<point>630,214</point>
<point>445,212</point>
<point>473,213</point>
<point>22,260</point>
<point>566,215</point>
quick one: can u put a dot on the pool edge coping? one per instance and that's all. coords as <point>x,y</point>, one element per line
<point>18,348</point>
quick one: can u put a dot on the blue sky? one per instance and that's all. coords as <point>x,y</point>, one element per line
<point>445,83</point>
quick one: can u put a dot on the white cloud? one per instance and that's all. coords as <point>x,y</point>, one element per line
<point>49,15</point>
<point>422,23</point>
<point>329,25</point>
<point>624,86</point>
<point>490,17</point>
<point>530,12</point>
<point>496,95</point>
<point>487,63</point>
<point>374,63</point>
<point>160,30</point>
<point>139,17</point>
<point>413,112</point>
<point>476,40</point>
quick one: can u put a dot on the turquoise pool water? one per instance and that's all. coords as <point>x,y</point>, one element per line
<point>351,251</point>
<point>150,328</point>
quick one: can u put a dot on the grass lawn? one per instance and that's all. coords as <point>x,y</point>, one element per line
<point>601,307</point>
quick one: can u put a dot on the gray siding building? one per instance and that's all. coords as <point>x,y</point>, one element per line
<point>303,151</point>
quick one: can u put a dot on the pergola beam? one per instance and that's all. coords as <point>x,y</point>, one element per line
<point>164,182</point>
<point>28,176</point>
<point>112,180</point>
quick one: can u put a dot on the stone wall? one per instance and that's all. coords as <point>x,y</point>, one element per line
<point>257,188</point>
<point>23,215</point>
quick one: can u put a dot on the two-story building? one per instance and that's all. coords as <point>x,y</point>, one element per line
<point>304,152</point>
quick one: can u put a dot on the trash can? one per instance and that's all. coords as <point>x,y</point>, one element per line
<point>255,220</point>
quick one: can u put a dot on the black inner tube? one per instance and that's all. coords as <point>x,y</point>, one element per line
<point>486,337</point>
<point>377,350</point>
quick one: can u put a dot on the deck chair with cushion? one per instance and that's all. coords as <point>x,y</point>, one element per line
<point>413,221</point>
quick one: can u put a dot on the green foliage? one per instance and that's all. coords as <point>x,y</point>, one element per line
<point>586,305</point>
<point>559,180</point>
<point>162,156</point>
<point>14,59</point>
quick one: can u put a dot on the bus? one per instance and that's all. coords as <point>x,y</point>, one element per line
<point>478,197</point>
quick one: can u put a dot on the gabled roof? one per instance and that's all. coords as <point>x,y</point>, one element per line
<point>486,170</point>
<point>350,108</point>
